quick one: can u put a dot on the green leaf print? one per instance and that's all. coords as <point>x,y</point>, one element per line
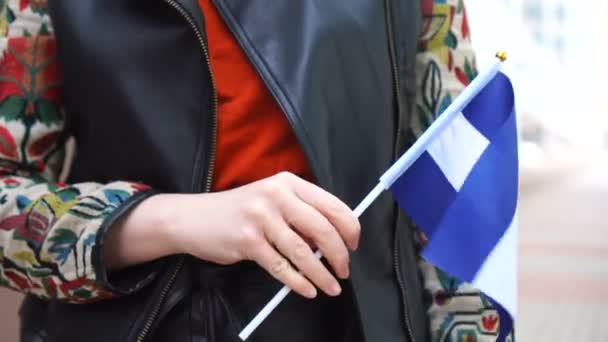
<point>62,243</point>
<point>12,108</point>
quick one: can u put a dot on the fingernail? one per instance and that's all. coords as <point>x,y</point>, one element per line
<point>311,293</point>
<point>345,273</point>
<point>335,289</point>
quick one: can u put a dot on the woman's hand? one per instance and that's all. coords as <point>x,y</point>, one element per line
<point>268,221</point>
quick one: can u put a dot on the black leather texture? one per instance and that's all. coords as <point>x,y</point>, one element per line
<point>139,101</point>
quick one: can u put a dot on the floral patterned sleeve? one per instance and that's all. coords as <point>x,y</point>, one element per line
<point>51,234</point>
<point>445,65</point>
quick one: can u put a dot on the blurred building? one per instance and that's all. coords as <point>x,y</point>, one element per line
<point>546,20</point>
<point>556,63</point>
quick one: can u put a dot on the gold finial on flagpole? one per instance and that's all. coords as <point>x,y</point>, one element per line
<point>502,55</point>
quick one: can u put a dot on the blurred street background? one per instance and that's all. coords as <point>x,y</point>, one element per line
<point>557,62</point>
<point>563,265</point>
<point>558,68</point>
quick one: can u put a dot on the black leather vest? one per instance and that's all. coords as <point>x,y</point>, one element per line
<point>140,102</point>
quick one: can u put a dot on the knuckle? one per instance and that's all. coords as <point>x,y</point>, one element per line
<point>250,238</point>
<point>324,232</point>
<point>273,188</point>
<point>279,266</point>
<point>335,208</point>
<point>336,212</point>
<point>285,176</point>
<point>300,250</point>
<point>257,210</point>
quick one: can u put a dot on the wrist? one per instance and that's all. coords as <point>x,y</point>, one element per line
<point>157,218</point>
<point>140,236</point>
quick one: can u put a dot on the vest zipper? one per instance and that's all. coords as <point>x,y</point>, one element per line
<point>161,298</point>
<point>207,178</point>
<point>306,146</point>
<point>400,114</point>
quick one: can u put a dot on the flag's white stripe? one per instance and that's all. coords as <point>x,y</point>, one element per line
<point>498,275</point>
<point>455,108</point>
<point>457,149</point>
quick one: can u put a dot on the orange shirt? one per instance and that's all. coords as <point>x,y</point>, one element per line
<point>255,139</point>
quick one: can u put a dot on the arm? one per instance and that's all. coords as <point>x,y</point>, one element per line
<point>50,233</point>
<point>445,65</point>
<point>59,241</point>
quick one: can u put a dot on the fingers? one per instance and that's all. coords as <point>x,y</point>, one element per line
<point>334,210</point>
<point>311,224</point>
<point>288,216</point>
<point>275,264</point>
<point>292,246</point>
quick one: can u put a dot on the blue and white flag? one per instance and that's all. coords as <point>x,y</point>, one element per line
<point>462,192</point>
<point>459,183</point>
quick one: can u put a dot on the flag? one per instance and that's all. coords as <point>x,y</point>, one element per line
<point>459,183</point>
<point>462,192</point>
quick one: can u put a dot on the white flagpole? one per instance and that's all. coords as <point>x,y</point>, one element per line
<point>394,172</point>
<point>278,298</point>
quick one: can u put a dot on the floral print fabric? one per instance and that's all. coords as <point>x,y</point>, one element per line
<point>48,230</point>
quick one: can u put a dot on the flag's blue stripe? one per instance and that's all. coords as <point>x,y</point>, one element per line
<point>490,108</point>
<point>482,210</point>
<point>424,193</point>
<point>506,322</point>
